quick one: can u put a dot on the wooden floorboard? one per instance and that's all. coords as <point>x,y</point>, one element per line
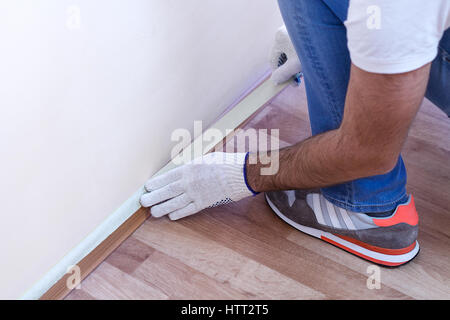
<point>243,251</point>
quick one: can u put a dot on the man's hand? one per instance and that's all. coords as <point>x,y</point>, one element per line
<point>212,180</point>
<point>283,58</point>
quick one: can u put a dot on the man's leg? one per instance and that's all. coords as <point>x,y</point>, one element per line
<point>319,36</point>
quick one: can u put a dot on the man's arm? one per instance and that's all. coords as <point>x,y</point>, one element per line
<point>378,112</point>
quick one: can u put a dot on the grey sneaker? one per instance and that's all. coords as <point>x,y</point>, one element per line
<point>388,241</point>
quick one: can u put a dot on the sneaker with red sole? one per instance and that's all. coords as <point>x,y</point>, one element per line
<point>388,241</point>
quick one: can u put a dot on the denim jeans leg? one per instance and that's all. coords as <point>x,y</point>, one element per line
<point>438,90</point>
<point>319,36</point>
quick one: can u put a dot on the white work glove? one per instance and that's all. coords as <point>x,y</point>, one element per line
<point>209,181</point>
<point>283,59</point>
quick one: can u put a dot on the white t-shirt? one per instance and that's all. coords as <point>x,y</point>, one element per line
<point>395,36</point>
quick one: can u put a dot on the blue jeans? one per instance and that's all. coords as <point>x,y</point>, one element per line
<point>317,30</point>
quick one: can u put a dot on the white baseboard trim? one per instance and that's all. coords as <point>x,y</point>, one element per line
<point>237,113</point>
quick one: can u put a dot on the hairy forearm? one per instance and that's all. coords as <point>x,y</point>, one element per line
<point>320,161</point>
<point>378,113</point>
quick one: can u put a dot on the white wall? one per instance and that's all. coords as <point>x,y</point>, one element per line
<point>86,110</point>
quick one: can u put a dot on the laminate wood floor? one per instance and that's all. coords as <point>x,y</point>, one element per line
<point>243,251</point>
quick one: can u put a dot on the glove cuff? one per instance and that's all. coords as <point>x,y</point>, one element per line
<point>237,177</point>
<point>245,175</point>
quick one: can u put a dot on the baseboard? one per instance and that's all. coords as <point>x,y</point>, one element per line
<point>124,221</point>
<point>60,289</point>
